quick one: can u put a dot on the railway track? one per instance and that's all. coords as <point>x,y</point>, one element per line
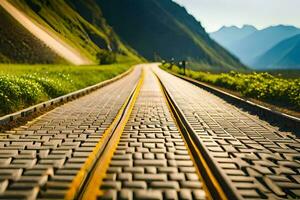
<point>250,158</point>
<point>150,158</point>
<point>158,137</point>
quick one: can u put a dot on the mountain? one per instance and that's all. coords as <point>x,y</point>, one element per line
<point>248,44</point>
<point>17,45</point>
<point>87,32</point>
<point>254,45</point>
<point>162,28</point>
<point>284,55</point>
<point>227,35</point>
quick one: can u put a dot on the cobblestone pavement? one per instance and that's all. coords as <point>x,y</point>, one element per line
<point>40,159</point>
<point>257,160</point>
<point>151,160</point>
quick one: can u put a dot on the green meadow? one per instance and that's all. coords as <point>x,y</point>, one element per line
<point>24,85</point>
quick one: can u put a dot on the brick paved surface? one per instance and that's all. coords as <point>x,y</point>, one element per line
<point>151,160</point>
<point>259,161</point>
<point>40,159</point>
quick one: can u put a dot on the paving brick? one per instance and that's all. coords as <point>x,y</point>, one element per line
<point>170,195</point>
<point>135,184</point>
<point>125,195</point>
<point>165,185</point>
<point>148,195</point>
<point>108,185</point>
<point>157,163</point>
<point>150,177</point>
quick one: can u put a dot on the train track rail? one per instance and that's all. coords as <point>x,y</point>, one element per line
<point>217,185</point>
<point>99,186</point>
<point>214,185</point>
<point>98,162</point>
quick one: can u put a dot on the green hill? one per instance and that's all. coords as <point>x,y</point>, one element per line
<point>284,55</point>
<point>162,28</point>
<point>86,31</point>
<point>17,45</point>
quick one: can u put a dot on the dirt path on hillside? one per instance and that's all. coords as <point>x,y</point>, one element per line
<point>57,45</point>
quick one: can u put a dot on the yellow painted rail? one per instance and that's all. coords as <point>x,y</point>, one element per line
<point>106,147</point>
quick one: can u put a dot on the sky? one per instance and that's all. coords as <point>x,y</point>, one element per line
<point>213,14</point>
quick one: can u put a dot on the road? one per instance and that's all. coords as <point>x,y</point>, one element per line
<point>149,135</point>
<point>56,44</point>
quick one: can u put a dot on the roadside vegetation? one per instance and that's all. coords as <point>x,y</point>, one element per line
<point>276,90</point>
<point>24,85</point>
<point>285,73</point>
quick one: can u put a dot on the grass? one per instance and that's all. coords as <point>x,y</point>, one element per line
<point>24,85</point>
<point>275,90</point>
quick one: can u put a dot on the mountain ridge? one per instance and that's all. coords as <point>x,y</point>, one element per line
<point>165,29</point>
<point>251,47</point>
<point>259,42</point>
<point>284,55</point>
<point>229,34</point>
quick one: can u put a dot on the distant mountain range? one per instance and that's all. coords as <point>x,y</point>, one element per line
<point>284,55</point>
<point>251,45</point>
<point>228,35</point>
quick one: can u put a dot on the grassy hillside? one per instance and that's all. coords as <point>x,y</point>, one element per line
<point>90,36</point>
<point>161,28</point>
<point>25,85</point>
<point>17,45</point>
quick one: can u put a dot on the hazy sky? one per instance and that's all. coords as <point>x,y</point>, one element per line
<point>213,14</point>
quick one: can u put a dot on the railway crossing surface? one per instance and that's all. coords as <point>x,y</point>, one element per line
<point>149,135</point>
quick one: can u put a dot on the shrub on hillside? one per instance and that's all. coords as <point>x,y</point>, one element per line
<point>16,92</point>
<point>106,57</point>
<point>53,88</point>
